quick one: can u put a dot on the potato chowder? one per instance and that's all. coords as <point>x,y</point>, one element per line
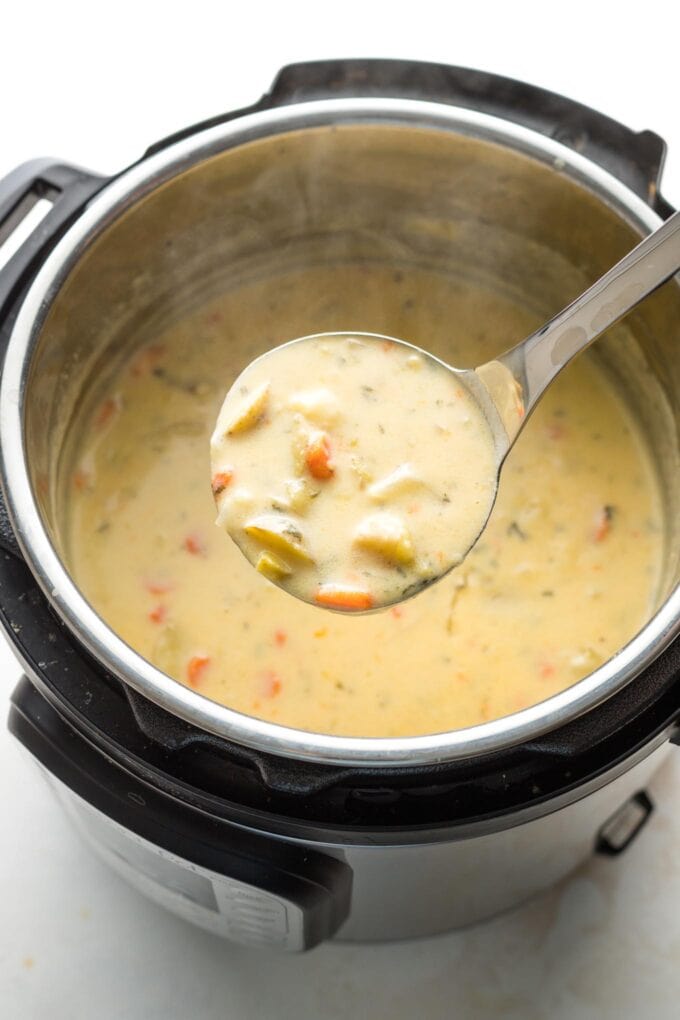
<point>359,490</point>
<point>564,574</point>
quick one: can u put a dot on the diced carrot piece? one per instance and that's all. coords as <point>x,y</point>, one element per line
<point>387,346</point>
<point>196,667</point>
<point>546,670</point>
<point>158,614</point>
<point>271,684</point>
<point>318,457</point>
<point>194,545</point>
<point>106,412</point>
<point>336,597</point>
<point>158,587</point>
<point>280,637</point>
<point>397,612</point>
<point>221,480</point>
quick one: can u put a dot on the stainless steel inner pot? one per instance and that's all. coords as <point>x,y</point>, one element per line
<point>400,182</point>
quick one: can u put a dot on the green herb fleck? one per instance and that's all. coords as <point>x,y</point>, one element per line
<point>514,529</point>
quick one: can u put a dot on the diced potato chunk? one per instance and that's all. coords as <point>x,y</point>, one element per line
<point>234,506</point>
<point>279,534</point>
<point>386,535</point>
<point>361,471</point>
<point>250,411</point>
<point>272,566</point>
<point>298,496</point>
<point>403,479</point>
<point>319,406</point>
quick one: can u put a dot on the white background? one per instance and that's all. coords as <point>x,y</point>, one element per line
<point>95,84</point>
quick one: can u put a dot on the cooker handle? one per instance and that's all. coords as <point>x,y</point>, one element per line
<point>636,158</point>
<point>66,189</point>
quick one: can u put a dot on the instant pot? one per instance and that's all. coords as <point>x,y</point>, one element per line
<point>264,834</point>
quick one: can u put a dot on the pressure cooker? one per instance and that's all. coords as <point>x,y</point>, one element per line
<point>261,833</point>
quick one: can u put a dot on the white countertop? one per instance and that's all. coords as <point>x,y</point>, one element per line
<point>75,941</point>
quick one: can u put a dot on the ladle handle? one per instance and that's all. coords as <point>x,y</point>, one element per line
<point>535,362</point>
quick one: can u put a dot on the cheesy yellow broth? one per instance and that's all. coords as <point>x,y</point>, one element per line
<point>563,576</point>
<point>352,471</point>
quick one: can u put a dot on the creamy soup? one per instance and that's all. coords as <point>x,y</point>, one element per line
<point>564,574</point>
<point>360,489</point>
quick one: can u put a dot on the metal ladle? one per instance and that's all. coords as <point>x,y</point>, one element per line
<point>508,388</point>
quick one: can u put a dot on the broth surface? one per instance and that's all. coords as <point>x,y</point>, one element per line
<point>563,576</point>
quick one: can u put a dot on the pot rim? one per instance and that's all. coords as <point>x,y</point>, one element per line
<point>81,617</point>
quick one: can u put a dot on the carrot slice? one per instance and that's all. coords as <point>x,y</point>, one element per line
<point>221,480</point>
<point>158,614</point>
<point>280,637</point>
<point>158,587</point>
<point>271,684</point>
<point>194,545</point>
<point>318,457</point>
<point>336,597</point>
<point>196,667</point>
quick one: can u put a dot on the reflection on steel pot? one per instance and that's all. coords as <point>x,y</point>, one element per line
<point>263,833</point>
